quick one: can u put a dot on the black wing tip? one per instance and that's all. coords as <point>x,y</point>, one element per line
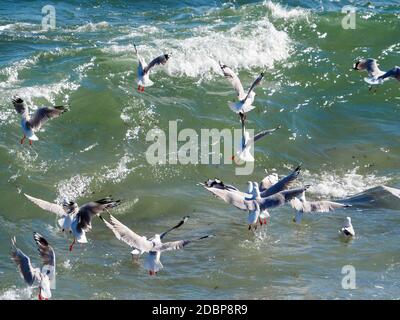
<point>298,168</point>
<point>39,239</point>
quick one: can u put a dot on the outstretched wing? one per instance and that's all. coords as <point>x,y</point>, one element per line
<point>255,83</point>
<point>282,184</point>
<point>48,206</point>
<point>20,105</point>
<point>123,233</point>
<point>261,135</point>
<point>155,62</point>
<point>87,211</point>
<point>316,206</point>
<point>233,197</point>
<point>177,245</point>
<point>395,72</point>
<point>234,79</point>
<point>42,115</point>
<point>45,250</point>
<point>23,263</point>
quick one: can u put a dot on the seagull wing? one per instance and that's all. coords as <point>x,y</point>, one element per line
<point>155,62</point>
<point>395,72</point>
<point>48,206</point>
<point>234,79</point>
<point>27,272</point>
<point>42,115</point>
<point>177,245</point>
<point>123,233</point>
<point>282,184</point>
<point>45,250</point>
<point>261,135</point>
<point>20,105</point>
<point>233,197</point>
<point>255,83</point>
<point>87,211</point>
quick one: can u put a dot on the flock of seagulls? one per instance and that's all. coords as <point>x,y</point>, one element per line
<point>258,200</point>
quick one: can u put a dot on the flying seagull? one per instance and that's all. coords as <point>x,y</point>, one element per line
<point>143,70</point>
<point>271,185</point>
<point>302,205</point>
<point>244,104</point>
<point>347,230</point>
<point>246,142</point>
<point>241,201</point>
<point>32,123</point>
<point>45,275</point>
<point>65,212</point>
<point>153,246</point>
<point>375,74</point>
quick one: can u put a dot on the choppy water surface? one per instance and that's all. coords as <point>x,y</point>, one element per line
<point>346,137</point>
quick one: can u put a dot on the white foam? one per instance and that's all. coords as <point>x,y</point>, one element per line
<point>73,187</point>
<point>89,27</point>
<point>15,293</point>
<point>278,11</point>
<point>246,45</point>
<point>120,172</point>
<point>11,72</point>
<point>339,185</point>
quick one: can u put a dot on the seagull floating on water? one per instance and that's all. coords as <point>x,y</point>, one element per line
<point>31,124</point>
<point>74,219</point>
<point>245,99</point>
<point>246,142</point>
<point>153,246</point>
<point>301,205</point>
<point>45,275</point>
<point>143,70</point>
<point>347,230</point>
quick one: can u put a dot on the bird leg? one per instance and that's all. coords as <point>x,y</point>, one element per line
<point>40,294</point>
<point>142,89</point>
<point>138,88</point>
<point>72,245</point>
<point>23,139</point>
<point>30,142</point>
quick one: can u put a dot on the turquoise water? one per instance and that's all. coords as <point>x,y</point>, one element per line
<point>346,137</point>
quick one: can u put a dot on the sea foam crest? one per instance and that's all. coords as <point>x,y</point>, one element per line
<point>247,45</point>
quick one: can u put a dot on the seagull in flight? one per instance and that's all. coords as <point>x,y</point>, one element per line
<point>153,246</point>
<point>244,104</point>
<point>143,70</point>
<point>375,74</point>
<point>45,275</point>
<point>247,142</point>
<point>302,205</point>
<point>32,123</point>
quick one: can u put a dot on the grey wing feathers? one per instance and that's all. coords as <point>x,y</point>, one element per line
<point>156,61</point>
<point>234,80</point>
<point>126,235</point>
<point>87,211</point>
<point>180,244</point>
<point>42,115</point>
<point>282,184</point>
<point>48,206</point>
<point>395,72</point>
<point>19,105</point>
<point>45,250</point>
<point>256,82</point>
<point>263,133</point>
<point>23,263</point>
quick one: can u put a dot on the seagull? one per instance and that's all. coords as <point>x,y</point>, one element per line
<point>375,75</point>
<point>82,221</point>
<point>153,246</point>
<point>245,100</point>
<point>143,70</point>
<point>31,124</point>
<point>241,201</point>
<point>66,212</point>
<point>301,205</point>
<point>45,275</point>
<point>347,229</point>
<point>271,185</point>
<point>244,153</point>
